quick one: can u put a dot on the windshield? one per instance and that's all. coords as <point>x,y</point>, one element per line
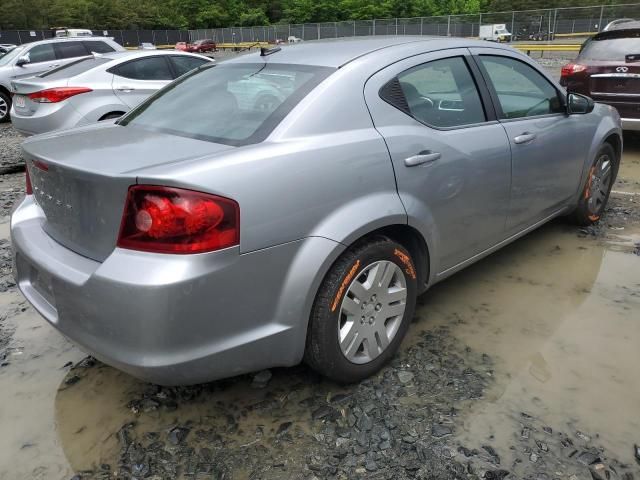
<point>15,53</point>
<point>234,104</point>
<point>610,49</point>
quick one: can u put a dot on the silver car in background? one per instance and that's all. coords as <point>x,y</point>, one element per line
<point>209,233</point>
<point>33,58</point>
<point>95,88</point>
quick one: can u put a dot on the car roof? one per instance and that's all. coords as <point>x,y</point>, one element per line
<point>126,55</point>
<point>66,39</point>
<point>338,52</point>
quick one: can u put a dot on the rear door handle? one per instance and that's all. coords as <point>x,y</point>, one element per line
<point>126,89</point>
<point>54,65</point>
<point>422,158</point>
<point>524,138</point>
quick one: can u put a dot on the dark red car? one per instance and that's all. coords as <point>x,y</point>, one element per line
<point>202,46</point>
<point>607,69</point>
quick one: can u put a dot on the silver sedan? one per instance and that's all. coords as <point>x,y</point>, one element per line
<point>211,232</point>
<point>94,88</point>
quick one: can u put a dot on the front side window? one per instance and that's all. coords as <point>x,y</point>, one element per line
<point>522,91</point>
<point>42,53</point>
<point>441,94</point>
<point>233,104</point>
<point>71,49</point>
<point>149,68</point>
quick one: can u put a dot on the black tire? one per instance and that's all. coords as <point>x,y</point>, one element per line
<point>588,211</point>
<point>323,352</point>
<point>5,117</point>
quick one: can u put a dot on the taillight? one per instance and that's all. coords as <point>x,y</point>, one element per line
<point>28,189</point>
<point>174,220</point>
<point>55,95</point>
<point>571,69</point>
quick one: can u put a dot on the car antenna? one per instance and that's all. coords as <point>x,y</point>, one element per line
<point>269,51</point>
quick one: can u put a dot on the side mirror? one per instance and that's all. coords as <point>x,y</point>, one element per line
<point>579,104</point>
<point>23,60</point>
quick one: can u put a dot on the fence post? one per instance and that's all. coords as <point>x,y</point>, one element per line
<point>303,31</point>
<point>318,27</point>
<point>421,25</point>
<point>354,28</point>
<point>479,26</point>
<point>396,26</point>
<point>600,21</point>
<point>374,26</point>
<point>513,21</point>
<point>448,25</point>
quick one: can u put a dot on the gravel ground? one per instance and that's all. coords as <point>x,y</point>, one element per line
<point>10,157</point>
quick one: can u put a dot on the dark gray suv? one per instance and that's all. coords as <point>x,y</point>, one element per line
<point>31,59</point>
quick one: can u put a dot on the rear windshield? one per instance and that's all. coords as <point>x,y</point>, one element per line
<point>233,104</point>
<point>610,49</point>
<point>74,68</point>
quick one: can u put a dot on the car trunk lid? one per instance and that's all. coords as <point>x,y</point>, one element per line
<point>80,179</point>
<point>22,88</point>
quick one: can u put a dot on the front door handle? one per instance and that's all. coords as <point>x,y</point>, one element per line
<point>426,156</point>
<point>55,65</point>
<point>126,89</point>
<point>526,137</point>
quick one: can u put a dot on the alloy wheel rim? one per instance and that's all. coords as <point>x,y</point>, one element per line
<point>4,108</point>
<point>599,184</point>
<point>372,311</point>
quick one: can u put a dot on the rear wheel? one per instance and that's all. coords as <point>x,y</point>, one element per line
<point>597,188</point>
<point>5,106</point>
<point>362,311</point>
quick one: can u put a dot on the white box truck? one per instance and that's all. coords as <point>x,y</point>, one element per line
<point>495,33</point>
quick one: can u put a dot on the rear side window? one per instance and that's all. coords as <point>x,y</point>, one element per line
<point>183,64</point>
<point>610,49</point>
<point>234,104</point>
<point>42,53</point>
<point>74,68</point>
<point>96,46</point>
<point>441,94</point>
<point>148,68</point>
<point>522,91</point>
<point>71,49</point>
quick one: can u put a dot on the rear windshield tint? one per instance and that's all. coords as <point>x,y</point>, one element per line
<point>234,104</point>
<point>74,68</point>
<point>610,49</point>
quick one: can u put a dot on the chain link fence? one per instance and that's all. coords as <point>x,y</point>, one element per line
<point>541,24</point>
<point>524,25</point>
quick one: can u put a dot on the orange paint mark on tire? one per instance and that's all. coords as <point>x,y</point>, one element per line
<point>343,285</point>
<point>594,218</point>
<point>587,187</point>
<point>404,258</point>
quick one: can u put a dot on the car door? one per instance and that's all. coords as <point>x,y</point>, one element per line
<point>450,156</point>
<point>548,146</point>
<point>41,58</point>
<point>135,80</point>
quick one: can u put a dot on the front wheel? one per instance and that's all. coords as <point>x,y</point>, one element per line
<point>597,188</point>
<point>362,311</point>
<point>5,106</point>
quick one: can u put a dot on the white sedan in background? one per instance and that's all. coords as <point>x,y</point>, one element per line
<point>95,88</point>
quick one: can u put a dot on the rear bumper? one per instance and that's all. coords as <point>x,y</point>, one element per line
<point>46,121</point>
<point>173,319</point>
<point>631,124</point>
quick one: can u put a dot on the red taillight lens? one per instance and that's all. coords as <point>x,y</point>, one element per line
<point>571,69</point>
<point>174,220</point>
<point>28,189</point>
<point>55,95</point>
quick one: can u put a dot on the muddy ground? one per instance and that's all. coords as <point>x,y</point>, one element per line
<point>523,366</point>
